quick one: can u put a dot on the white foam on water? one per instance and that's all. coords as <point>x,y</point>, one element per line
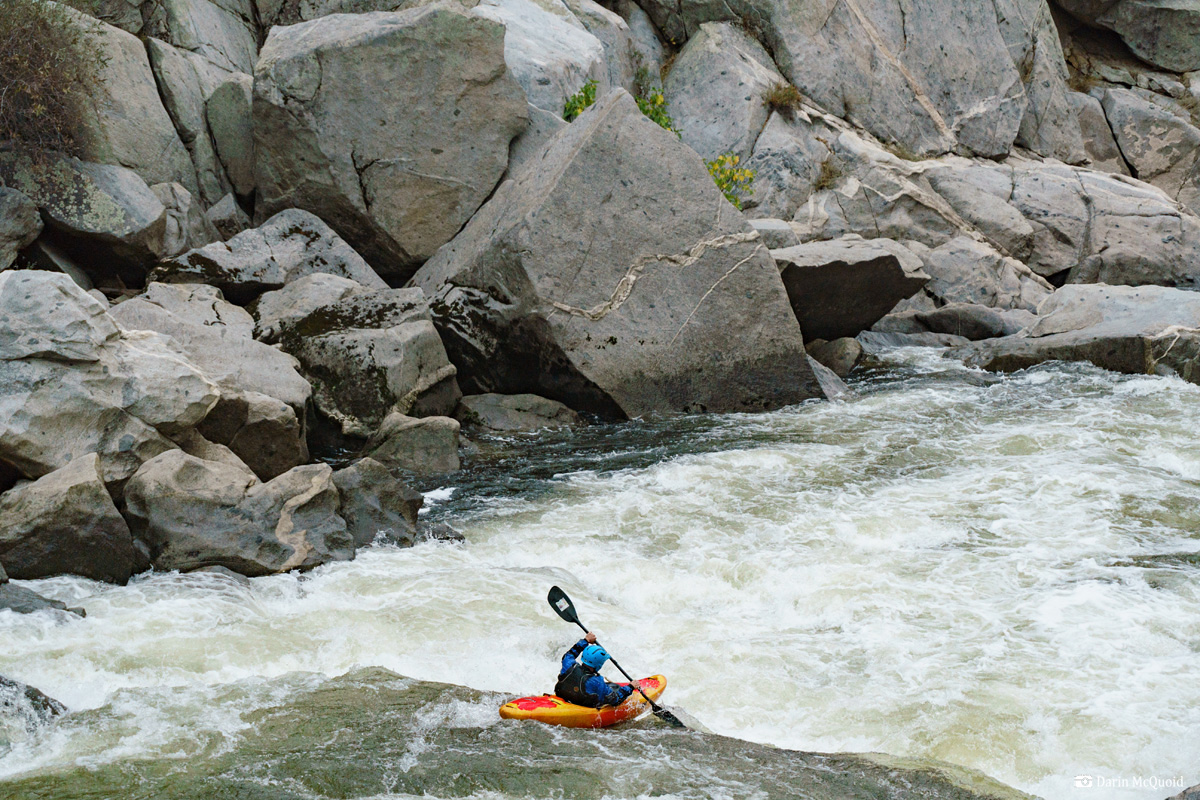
<point>950,567</point>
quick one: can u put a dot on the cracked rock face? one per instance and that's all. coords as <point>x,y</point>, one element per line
<point>391,127</point>
<point>611,275</point>
<point>881,64</point>
<point>1165,33</point>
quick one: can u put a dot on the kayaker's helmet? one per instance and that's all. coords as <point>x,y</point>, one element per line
<point>594,656</point>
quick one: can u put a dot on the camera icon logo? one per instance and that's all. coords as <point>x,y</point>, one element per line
<point>1083,781</point>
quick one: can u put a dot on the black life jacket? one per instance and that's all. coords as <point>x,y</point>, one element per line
<point>570,687</point>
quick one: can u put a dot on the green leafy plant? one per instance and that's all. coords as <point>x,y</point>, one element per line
<point>782,97</point>
<point>48,62</point>
<point>733,181</point>
<point>577,102</point>
<point>654,105</point>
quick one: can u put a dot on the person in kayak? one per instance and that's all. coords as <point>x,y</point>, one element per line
<point>580,681</point>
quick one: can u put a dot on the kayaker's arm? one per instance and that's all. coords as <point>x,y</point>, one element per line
<point>610,694</point>
<point>569,657</point>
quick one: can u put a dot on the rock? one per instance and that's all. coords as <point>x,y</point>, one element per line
<point>217,338</point>
<point>128,124</point>
<point>189,513</point>
<point>187,227</point>
<point>550,53</point>
<point>792,159</point>
<point>832,387</point>
<point>874,342</point>
<point>1188,794</point>
<point>840,356</point>
<point>368,141</point>
<point>543,125</point>
<point>519,412</point>
<point>981,198</point>
<point>63,395</point>
<point>715,90</point>
<point>221,32</point>
<point>19,699</point>
<point>620,52</point>
<point>277,310</point>
<point>375,504</point>
<point>20,224</point>
<point>371,353</point>
<point>262,431</point>
<point>975,322</point>
<point>840,288</point>
<point>194,444</point>
<point>902,322</point>
<point>228,217</point>
<point>1049,126</point>
<point>1166,33</point>
<point>663,266</point>
<point>183,94</point>
<point>776,234</point>
<point>108,210</point>
<point>3,575</point>
<point>881,66</point>
<point>1161,148</point>
<point>646,50</point>
<point>25,601</point>
<point>288,246</point>
<point>228,112</point>
<point>440,532</point>
<point>426,446</point>
<point>65,523</point>
<point>46,256</point>
<point>1122,328</point>
<point>967,271</point>
<point>1097,135</point>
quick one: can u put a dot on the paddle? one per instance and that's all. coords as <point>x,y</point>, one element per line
<point>563,606</point>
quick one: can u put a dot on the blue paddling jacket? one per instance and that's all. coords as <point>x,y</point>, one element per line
<point>583,686</point>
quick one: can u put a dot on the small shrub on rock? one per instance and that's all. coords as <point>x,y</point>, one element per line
<point>733,181</point>
<point>579,101</point>
<point>783,98</point>
<point>654,105</point>
<point>48,62</point>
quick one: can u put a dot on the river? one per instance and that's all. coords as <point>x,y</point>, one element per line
<point>1001,572</point>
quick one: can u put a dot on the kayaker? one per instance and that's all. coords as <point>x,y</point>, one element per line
<point>580,681</point>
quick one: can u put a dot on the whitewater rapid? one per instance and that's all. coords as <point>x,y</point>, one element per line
<point>1001,572</point>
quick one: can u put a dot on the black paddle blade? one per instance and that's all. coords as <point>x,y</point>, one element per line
<point>668,717</point>
<point>562,605</point>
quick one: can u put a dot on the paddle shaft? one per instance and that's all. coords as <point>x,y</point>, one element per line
<point>632,682</point>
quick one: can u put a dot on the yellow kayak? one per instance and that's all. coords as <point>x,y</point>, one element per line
<point>556,711</point>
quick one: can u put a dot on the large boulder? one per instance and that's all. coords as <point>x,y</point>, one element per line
<point>427,446</point>
<point>127,123</point>
<point>392,127</point>
<point>72,383</point>
<point>289,245</point>
<point>23,712</point>
<point>549,51</point>
<point>1098,138</point>
<point>715,90</point>
<point>106,211</point>
<point>1162,147</point>
<point>189,513</point>
<point>1137,330</point>
<point>228,112</point>
<point>1165,33</point>
<point>965,270</point>
<point>183,90</point>
<point>264,398</point>
<point>20,600</point>
<point>372,353</point>
<point>792,158</point>
<point>276,311</point>
<point>65,523</point>
<point>222,32</point>
<point>606,276</point>
<point>377,505</point>
<point>187,226</point>
<point>840,288</point>
<point>514,412</point>
<point>218,338</point>
<point>20,224</point>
